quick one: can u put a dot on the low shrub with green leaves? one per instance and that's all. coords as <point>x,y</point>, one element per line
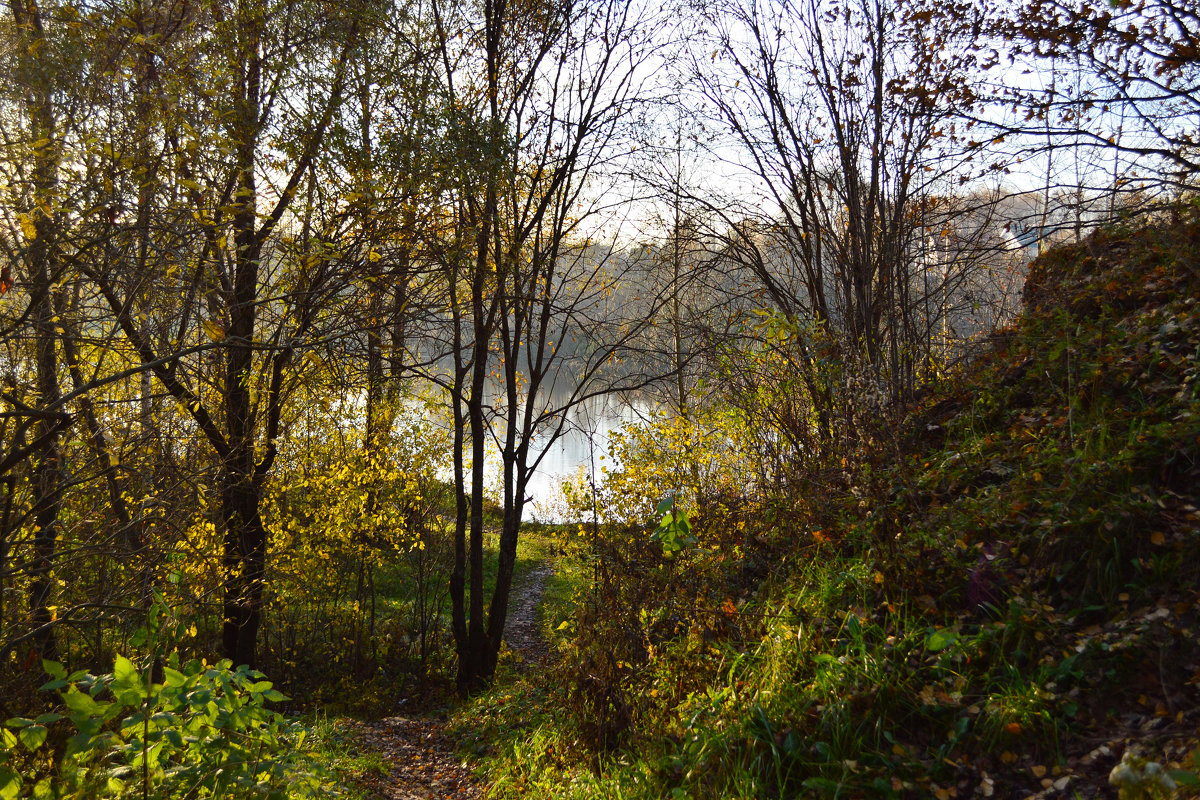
<point>203,731</point>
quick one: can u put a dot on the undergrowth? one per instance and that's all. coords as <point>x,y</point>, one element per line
<point>1001,600</point>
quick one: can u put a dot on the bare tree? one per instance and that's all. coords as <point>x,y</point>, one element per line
<point>1122,85</point>
<point>835,109</point>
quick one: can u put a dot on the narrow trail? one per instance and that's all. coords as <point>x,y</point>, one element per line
<point>417,752</point>
<point>522,633</point>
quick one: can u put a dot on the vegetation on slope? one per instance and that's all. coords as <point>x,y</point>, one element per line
<point>1000,598</point>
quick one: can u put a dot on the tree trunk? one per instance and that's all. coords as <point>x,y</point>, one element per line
<point>41,273</point>
<point>243,562</point>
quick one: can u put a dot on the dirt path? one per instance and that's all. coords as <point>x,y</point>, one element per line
<point>418,752</point>
<point>421,761</point>
<point>522,633</point>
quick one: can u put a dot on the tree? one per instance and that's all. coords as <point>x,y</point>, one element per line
<point>837,109</point>
<point>548,105</point>
<point>41,61</point>
<point>226,275</point>
<point>1122,81</point>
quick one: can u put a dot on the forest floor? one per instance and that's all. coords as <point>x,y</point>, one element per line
<point>418,754</point>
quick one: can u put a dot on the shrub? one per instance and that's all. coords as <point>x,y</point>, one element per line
<point>204,730</point>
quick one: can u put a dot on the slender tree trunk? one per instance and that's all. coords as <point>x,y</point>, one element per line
<point>244,547</point>
<point>243,562</point>
<point>42,269</point>
<point>505,565</point>
<point>47,469</point>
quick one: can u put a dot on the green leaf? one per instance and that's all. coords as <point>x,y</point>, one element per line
<point>18,722</point>
<point>54,669</point>
<point>124,672</point>
<point>822,784</point>
<point>174,677</point>
<point>81,703</point>
<point>33,736</point>
<point>10,784</point>
<point>940,639</point>
<point>127,682</point>
<point>81,743</point>
<point>664,506</point>
<point>1184,778</point>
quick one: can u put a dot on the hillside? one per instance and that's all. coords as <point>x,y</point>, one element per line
<point>1001,602</point>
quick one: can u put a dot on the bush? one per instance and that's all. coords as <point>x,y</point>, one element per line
<point>204,730</point>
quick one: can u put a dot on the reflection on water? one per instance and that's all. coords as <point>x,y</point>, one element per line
<point>582,447</point>
<point>584,443</point>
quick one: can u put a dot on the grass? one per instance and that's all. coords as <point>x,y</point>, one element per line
<point>341,753</point>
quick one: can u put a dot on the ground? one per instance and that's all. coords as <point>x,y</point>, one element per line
<point>419,757</point>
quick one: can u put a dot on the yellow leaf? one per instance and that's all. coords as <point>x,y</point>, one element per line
<point>214,331</point>
<point>1158,538</point>
<point>27,227</point>
<point>1038,770</point>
